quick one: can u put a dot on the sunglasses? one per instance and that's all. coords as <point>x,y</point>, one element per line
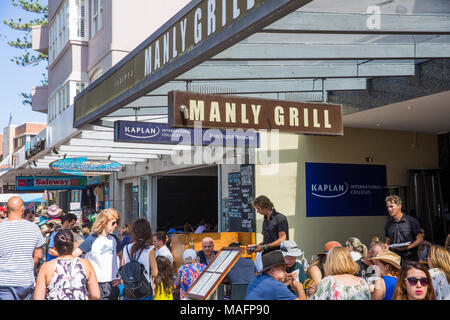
<point>413,281</point>
<point>114,223</point>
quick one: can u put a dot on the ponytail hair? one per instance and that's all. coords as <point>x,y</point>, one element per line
<point>358,246</point>
<point>141,234</point>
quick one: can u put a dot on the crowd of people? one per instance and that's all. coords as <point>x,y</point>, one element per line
<point>137,264</point>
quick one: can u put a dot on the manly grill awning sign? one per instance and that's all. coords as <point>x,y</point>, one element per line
<point>224,111</point>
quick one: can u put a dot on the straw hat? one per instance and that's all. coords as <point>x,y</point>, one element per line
<point>54,210</point>
<point>388,257</point>
<point>328,246</point>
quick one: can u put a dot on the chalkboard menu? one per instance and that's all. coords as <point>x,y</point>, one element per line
<point>135,203</point>
<point>240,197</point>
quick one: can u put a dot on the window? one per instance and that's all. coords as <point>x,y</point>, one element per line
<point>59,31</point>
<point>96,16</point>
<point>63,98</point>
<point>81,18</point>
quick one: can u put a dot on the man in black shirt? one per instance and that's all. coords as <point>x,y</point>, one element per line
<point>275,227</point>
<point>402,228</point>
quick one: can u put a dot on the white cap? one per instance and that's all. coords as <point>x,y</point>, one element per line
<point>189,255</point>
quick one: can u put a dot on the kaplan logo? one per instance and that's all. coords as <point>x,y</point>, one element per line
<point>329,190</point>
<point>141,132</point>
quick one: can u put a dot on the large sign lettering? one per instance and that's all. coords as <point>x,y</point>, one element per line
<point>50,183</point>
<point>223,111</point>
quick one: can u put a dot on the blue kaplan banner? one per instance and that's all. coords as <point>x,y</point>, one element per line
<point>334,190</point>
<point>147,132</point>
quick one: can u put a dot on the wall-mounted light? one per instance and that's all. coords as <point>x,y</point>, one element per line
<point>185,111</point>
<point>369,159</point>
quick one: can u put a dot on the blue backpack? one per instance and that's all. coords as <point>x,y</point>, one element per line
<point>135,283</point>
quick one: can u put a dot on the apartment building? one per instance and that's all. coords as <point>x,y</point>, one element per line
<point>83,39</point>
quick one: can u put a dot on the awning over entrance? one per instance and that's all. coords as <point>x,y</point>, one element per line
<point>312,51</point>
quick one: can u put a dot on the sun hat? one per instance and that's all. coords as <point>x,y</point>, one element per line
<point>54,210</point>
<point>2,208</point>
<point>328,246</point>
<point>290,249</point>
<point>389,257</point>
<point>189,255</point>
<point>272,259</point>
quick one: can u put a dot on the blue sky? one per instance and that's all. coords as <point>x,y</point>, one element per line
<point>15,79</point>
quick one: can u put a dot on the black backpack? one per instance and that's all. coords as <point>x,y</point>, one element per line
<point>136,285</point>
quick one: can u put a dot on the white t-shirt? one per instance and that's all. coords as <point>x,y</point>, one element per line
<point>102,253</point>
<point>18,240</point>
<point>165,252</point>
<point>143,258</point>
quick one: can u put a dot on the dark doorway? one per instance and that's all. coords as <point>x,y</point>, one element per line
<point>186,198</point>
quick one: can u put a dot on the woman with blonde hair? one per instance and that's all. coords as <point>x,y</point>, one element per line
<point>439,264</point>
<point>357,249</point>
<point>102,248</point>
<point>340,282</point>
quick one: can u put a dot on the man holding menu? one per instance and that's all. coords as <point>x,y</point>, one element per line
<point>275,227</point>
<point>403,234</point>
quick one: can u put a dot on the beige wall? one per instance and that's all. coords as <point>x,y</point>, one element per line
<point>286,188</point>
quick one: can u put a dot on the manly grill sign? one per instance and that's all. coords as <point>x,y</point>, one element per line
<point>224,111</point>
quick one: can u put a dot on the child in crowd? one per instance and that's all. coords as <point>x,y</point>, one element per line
<point>164,280</point>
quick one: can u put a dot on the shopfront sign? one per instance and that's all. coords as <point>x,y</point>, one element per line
<point>223,111</point>
<point>334,190</point>
<point>84,166</point>
<point>50,183</point>
<point>160,133</point>
<point>202,29</point>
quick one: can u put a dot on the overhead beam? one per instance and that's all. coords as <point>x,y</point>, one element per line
<point>294,70</point>
<point>271,49</point>
<point>114,151</point>
<point>361,23</point>
<point>276,85</point>
<point>108,143</point>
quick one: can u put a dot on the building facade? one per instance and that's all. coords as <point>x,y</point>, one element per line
<point>389,77</point>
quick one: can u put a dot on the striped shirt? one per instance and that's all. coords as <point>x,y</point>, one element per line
<point>18,240</point>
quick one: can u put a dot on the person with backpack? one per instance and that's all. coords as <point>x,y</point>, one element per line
<point>139,263</point>
<point>102,248</point>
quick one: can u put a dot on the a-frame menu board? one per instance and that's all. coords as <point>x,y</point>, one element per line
<point>214,273</point>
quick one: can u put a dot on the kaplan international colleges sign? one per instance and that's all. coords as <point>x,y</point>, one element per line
<point>199,31</point>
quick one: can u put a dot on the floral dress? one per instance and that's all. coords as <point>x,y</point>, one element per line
<point>330,289</point>
<point>69,281</point>
<point>188,273</point>
<point>440,284</point>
